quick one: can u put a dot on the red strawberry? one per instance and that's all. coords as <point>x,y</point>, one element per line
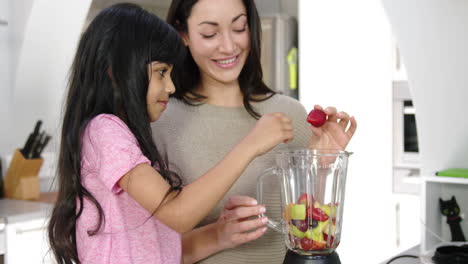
<point>306,244</point>
<point>317,118</point>
<point>303,199</point>
<point>332,239</point>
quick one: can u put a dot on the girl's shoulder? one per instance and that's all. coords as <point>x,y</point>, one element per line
<point>108,126</point>
<point>106,120</point>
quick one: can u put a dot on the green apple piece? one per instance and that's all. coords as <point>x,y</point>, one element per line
<point>328,210</point>
<point>298,212</point>
<point>309,233</point>
<point>316,236</point>
<point>296,232</point>
<point>327,227</point>
<point>320,227</point>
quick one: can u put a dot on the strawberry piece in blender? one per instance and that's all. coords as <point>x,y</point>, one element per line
<point>306,244</point>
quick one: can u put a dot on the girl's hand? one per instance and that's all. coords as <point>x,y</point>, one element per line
<point>233,222</point>
<point>335,133</point>
<point>270,130</point>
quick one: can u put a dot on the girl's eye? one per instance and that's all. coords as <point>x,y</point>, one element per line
<point>162,72</point>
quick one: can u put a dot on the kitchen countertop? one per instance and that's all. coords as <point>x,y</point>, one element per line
<point>14,211</point>
<point>412,251</point>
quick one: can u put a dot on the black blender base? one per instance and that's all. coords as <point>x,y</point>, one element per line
<point>294,258</point>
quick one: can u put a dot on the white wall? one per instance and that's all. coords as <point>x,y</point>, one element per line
<point>433,41</point>
<point>5,67</point>
<point>42,39</point>
<point>17,14</point>
<point>345,61</point>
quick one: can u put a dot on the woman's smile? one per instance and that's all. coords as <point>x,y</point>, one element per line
<point>227,62</point>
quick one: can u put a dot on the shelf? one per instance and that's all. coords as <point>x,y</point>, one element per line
<point>442,179</point>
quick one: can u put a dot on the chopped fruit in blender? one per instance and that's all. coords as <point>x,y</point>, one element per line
<point>306,244</point>
<point>314,223</point>
<point>317,118</point>
<point>318,245</point>
<point>303,199</point>
<point>302,225</point>
<point>298,212</point>
<point>316,234</point>
<point>332,239</point>
<point>318,214</point>
<point>309,234</point>
<point>296,232</point>
<point>326,229</point>
<point>320,227</point>
<point>331,212</point>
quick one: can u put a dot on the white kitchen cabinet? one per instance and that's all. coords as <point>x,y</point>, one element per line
<point>407,220</point>
<point>435,231</point>
<point>26,242</point>
<point>23,226</point>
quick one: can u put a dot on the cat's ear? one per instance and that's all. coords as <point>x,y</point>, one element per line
<point>453,198</point>
<point>440,201</point>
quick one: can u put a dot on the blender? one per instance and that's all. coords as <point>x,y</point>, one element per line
<point>311,183</point>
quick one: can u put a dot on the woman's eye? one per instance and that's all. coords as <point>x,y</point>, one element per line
<point>240,30</point>
<point>208,36</point>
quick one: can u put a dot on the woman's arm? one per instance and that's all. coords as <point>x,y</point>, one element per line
<point>183,211</point>
<point>229,231</point>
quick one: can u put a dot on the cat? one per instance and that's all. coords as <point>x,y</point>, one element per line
<point>451,209</point>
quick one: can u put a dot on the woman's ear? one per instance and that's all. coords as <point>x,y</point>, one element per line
<point>185,38</point>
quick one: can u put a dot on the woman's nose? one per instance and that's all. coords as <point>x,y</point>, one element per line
<point>227,44</point>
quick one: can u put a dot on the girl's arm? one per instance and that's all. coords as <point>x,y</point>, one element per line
<point>183,211</point>
<point>229,231</point>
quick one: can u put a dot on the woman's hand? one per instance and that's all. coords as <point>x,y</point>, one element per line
<point>335,133</point>
<point>270,130</point>
<point>234,227</point>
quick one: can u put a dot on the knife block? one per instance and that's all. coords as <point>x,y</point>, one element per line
<point>21,179</point>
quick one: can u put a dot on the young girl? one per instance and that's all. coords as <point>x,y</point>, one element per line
<point>220,95</point>
<point>118,202</point>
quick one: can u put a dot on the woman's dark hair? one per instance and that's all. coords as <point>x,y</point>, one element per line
<point>186,75</point>
<point>109,75</point>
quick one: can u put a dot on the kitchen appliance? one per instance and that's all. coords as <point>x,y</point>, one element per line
<point>279,53</point>
<point>311,184</point>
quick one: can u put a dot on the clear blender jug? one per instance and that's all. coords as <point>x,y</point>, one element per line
<point>311,184</point>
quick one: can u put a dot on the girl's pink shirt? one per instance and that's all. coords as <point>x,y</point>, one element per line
<point>129,234</point>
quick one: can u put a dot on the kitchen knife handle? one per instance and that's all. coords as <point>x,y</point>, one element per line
<point>27,146</point>
<point>40,148</point>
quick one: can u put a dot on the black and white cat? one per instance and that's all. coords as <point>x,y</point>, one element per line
<point>451,209</point>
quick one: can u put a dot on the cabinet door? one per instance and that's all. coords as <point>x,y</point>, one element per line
<point>26,242</point>
<point>408,223</point>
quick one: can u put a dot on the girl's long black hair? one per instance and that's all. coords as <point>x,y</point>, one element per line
<point>109,75</point>
<point>186,75</point>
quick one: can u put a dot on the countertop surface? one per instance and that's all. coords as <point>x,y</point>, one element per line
<point>13,211</point>
<point>414,251</point>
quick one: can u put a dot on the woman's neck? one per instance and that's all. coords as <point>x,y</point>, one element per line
<point>221,94</point>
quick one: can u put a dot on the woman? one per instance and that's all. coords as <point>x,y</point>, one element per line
<point>220,94</point>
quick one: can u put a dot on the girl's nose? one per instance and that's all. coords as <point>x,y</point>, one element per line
<point>170,87</point>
